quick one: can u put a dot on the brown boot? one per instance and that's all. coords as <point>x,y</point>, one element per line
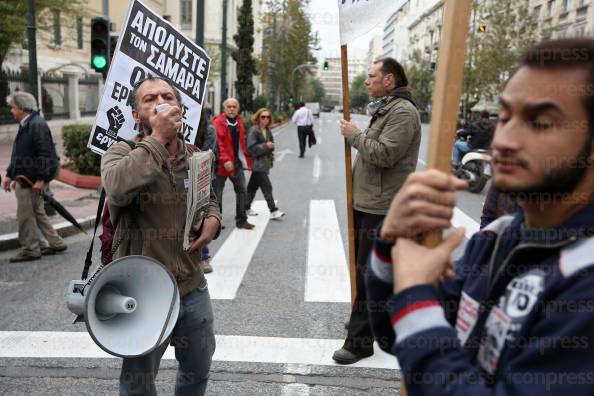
<point>206,267</point>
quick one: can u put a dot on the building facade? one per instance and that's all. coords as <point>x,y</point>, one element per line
<point>65,49</point>
<point>332,78</point>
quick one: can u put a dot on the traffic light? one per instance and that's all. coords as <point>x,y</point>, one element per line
<point>482,28</point>
<point>326,67</point>
<point>100,45</point>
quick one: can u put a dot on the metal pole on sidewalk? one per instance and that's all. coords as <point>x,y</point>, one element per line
<point>32,43</point>
<point>200,22</point>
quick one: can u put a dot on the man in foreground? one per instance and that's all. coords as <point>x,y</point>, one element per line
<point>514,315</point>
<point>387,152</point>
<point>147,202</point>
<point>32,163</point>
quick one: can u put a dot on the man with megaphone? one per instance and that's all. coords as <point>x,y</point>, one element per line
<point>146,192</point>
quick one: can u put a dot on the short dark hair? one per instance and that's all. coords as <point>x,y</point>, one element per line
<point>133,99</point>
<point>571,53</point>
<point>391,66</point>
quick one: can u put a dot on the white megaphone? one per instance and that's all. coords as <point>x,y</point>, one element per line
<point>130,306</point>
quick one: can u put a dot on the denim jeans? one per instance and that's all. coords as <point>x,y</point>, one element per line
<point>194,341</point>
<point>460,148</point>
<point>205,253</point>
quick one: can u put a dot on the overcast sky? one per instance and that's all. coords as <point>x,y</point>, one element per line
<point>324,20</point>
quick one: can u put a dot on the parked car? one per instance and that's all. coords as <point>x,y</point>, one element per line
<point>314,107</point>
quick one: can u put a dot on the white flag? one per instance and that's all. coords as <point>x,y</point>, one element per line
<point>358,17</point>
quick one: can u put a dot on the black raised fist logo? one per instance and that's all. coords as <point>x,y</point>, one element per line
<point>116,119</point>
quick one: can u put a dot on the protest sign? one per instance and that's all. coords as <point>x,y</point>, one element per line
<point>149,45</point>
<point>357,17</point>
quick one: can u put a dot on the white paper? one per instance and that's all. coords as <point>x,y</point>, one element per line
<point>198,194</point>
<point>358,17</point>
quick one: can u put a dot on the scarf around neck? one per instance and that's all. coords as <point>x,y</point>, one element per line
<point>378,103</point>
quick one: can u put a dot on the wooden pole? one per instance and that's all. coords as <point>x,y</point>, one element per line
<point>349,173</point>
<point>448,89</point>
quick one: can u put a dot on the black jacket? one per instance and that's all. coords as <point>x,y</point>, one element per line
<point>262,156</point>
<point>33,151</point>
<point>480,134</point>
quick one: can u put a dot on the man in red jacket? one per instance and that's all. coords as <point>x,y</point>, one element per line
<point>233,159</point>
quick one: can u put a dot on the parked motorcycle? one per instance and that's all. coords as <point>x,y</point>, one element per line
<point>475,167</point>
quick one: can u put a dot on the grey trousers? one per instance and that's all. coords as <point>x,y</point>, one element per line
<point>194,341</point>
<point>31,218</point>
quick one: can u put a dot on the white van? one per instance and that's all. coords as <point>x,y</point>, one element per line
<point>314,107</point>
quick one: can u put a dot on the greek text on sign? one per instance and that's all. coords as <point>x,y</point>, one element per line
<point>149,45</point>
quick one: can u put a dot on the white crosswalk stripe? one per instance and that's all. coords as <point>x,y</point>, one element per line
<point>233,258</point>
<point>327,278</point>
<point>276,350</point>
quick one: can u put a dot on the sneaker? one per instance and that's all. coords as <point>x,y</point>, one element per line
<point>206,267</point>
<point>343,356</point>
<point>251,212</point>
<point>22,256</point>
<point>245,226</point>
<point>276,215</point>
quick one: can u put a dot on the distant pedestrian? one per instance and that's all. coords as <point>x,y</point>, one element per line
<point>233,159</point>
<point>260,144</point>
<point>387,152</point>
<point>206,139</point>
<point>303,118</point>
<point>32,166</point>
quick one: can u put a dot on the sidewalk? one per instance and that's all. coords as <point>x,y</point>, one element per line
<point>81,203</point>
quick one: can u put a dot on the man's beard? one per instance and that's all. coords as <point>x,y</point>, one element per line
<point>558,181</point>
<point>144,127</point>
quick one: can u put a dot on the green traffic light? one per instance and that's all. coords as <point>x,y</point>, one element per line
<point>99,61</point>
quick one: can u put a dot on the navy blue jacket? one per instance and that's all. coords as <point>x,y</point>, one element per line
<point>33,151</point>
<point>517,318</point>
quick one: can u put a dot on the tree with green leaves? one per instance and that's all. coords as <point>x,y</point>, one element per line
<point>314,91</point>
<point>358,92</point>
<point>13,29</point>
<point>246,65</point>
<point>288,43</point>
<point>420,79</point>
<point>509,28</point>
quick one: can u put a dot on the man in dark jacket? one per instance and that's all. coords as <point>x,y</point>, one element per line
<point>233,159</point>
<point>32,162</point>
<point>478,136</point>
<point>387,152</point>
<point>514,316</point>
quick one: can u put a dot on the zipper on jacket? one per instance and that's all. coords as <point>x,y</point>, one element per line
<point>493,279</point>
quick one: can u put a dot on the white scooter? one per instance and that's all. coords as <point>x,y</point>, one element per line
<point>475,167</point>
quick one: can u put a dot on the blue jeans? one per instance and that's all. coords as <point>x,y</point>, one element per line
<point>194,341</point>
<point>460,148</point>
<point>205,253</point>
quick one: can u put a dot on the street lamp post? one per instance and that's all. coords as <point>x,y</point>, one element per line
<point>32,43</point>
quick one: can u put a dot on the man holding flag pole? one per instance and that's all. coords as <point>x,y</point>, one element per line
<point>387,153</point>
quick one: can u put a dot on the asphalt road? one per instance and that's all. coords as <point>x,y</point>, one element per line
<point>270,303</point>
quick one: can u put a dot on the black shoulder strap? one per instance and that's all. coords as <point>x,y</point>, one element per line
<point>89,258</point>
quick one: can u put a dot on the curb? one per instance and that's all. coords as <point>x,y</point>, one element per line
<point>64,229</point>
